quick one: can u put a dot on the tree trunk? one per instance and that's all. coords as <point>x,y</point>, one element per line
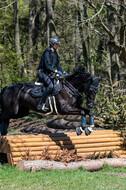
<point>17,38</point>
<point>91,165</point>
<point>113,52</point>
<point>77,41</point>
<point>90,63</point>
<point>34,14</point>
<point>49,19</point>
<point>123,39</point>
<point>81,29</point>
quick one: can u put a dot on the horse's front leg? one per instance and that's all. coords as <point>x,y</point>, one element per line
<point>89,129</point>
<point>79,111</point>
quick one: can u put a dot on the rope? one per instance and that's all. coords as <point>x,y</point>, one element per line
<point>54,101</point>
<point>50,104</point>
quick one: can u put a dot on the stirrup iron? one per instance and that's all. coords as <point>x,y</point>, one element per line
<point>43,107</point>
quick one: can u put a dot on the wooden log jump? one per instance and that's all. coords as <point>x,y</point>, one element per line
<point>16,147</point>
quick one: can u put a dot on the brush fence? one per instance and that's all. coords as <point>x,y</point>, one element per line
<point>18,147</point>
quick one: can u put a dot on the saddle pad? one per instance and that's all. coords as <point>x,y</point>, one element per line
<point>37,91</point>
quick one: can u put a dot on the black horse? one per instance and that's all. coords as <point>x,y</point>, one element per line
<point>16,100</point>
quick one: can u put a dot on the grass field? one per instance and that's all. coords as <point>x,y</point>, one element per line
<point>13,179</point>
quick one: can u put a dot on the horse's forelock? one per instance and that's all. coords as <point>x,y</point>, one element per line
<point>95,82</point>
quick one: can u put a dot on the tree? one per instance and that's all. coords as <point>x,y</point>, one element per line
<point>17,37</point>
<point>51,31</point>
<point>112,24</point>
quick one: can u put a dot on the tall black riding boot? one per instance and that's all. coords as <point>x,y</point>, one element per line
<point>42,103</point>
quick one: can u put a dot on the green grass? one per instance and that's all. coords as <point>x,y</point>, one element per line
<point>12,131</point>
<point>13,179</point>
<point>108,168</point>
<point>34,115</point>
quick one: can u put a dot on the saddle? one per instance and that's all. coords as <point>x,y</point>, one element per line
<point>39,88</point>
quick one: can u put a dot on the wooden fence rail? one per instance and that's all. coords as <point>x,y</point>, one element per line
<point>16,147</point>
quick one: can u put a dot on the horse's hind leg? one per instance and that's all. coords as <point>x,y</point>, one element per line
<point>3,127</point>
<point>4,122</point>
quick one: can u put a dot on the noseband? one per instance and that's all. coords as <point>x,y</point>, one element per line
<point>94,89</point>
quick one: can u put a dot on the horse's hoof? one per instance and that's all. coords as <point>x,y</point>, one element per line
<point>78,131</point>
<point>87,132</point>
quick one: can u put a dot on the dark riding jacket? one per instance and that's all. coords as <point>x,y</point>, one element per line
<point>50,62</point>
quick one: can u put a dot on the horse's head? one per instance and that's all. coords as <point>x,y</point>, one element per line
<point>91,91</point>
<point>82,80</point>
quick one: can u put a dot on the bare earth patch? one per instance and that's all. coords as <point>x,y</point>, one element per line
<point>51,124</point>
<point>120,174</point>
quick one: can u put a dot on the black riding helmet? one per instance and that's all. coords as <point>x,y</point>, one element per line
<point>53,40</point>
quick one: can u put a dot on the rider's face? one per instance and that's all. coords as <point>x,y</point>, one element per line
<point>55,45</point>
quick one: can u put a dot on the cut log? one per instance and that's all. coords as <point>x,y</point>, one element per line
<point>65,142</point>
<point>91,165</point>
<point>71,146</point>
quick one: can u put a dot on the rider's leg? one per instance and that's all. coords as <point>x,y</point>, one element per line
<point>42,104</point>
<point>47,81</point>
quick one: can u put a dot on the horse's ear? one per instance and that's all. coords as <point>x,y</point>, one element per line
<point>92,79</point>
<point>85,70</point>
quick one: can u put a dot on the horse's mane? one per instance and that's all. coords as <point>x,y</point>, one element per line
<point>30,85</point>
<point>80,70</point>
<point>21,84</point>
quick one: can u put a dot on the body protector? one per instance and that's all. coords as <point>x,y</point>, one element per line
<point>49,62</point>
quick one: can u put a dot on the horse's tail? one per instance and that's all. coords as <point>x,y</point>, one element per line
<point>0,101</point>
<point>1,93</point>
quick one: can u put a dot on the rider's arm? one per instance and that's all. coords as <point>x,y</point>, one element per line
<point>59,68</point>
<point>48,62</point>
<point>41,64</point>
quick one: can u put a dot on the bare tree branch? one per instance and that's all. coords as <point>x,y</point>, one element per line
<point>7,5</point>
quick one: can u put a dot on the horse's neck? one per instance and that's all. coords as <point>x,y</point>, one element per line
<point>74,83</point>
<point>71,89</point>
<point>79,83</point>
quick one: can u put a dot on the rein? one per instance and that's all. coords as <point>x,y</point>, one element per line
<point>70,89</point>
<point>95,89</point>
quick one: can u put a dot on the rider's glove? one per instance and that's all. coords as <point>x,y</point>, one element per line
<point>65,73</point>
<point>59,73</point>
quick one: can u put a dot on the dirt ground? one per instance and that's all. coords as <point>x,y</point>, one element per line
<point>37,123</point>
<point>38,126</point>
<point>120,174</point>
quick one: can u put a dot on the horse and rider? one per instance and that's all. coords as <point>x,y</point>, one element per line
<point>17,100</point>
<point>48,66</point>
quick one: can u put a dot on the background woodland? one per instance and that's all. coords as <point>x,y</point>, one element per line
<point>92,33</point>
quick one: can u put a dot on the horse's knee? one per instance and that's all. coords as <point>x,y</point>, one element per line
<point>83,113</point>
<point>91,114</point>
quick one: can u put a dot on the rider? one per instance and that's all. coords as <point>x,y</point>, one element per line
<point>49,64</point>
